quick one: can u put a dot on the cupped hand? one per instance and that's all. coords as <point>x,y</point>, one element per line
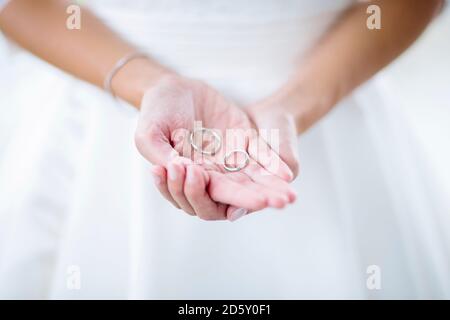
<point>198,183</point>
<point>270,114</point>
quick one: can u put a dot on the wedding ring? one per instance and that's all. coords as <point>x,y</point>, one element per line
<point>217,141</point>
<point>238,167</point>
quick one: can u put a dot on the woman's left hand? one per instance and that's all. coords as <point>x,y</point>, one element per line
<point>271,116</point>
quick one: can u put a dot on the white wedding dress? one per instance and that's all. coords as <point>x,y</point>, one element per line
<point>80,217</point>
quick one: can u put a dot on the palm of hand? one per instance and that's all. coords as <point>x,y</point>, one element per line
<point>168,115</point>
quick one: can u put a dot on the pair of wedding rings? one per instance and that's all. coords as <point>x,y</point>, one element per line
<point>216,147</point>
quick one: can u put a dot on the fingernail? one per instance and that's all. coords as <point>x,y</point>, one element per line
<point>172,172</point>
<point>238,213</point>
<point>290,176</point>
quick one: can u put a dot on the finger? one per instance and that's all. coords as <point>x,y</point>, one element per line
<point>153,142</point>
<point>223,189</point>
<point>271,181</point>
<point>195,192</point>
<point>288,150</point>
<point>263,154</point>
<point>275,198</point>
<point>175,182</point>
<point>285,142</point>
<point>234,213</point>
<point>160,177</point>
<point>236,139</point>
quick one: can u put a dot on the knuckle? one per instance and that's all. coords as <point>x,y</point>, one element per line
<point>194,193</point>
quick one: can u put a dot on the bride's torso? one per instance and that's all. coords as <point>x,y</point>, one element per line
<point>245,48</point>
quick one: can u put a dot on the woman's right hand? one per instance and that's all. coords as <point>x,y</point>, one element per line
<point>199,185</point>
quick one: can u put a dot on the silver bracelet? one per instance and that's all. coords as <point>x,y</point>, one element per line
<point>119,64</point>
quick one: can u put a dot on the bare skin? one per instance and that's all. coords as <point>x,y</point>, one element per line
<point>168,112</point>
<point>348,55</point>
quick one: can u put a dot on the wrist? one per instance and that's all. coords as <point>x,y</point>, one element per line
<point>305,99</point>
<point>135,78</point>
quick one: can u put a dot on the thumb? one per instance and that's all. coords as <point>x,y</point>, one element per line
<point>153,143</point>
<point>286,144</point>
<point>288,148</point>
